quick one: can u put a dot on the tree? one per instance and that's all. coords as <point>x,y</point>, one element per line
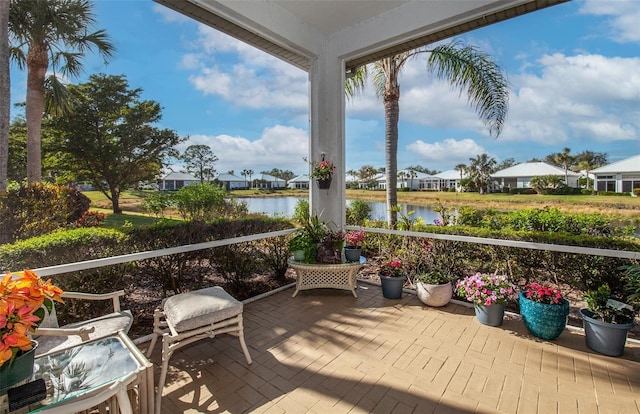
<point>403,177</point>
<point>110,139</point>
<point>5,93</point>
<point>589,160</point>
<point>564,159</point>
<point>509,162</point>
<point>50,32</point>
<point>285,175</point>
<point>465,68</point>
<point>461,168</point>
<point>247,173</point>
<point>420,168</point>
<point>412,174</point>
<point>480,170</point>
<point>199,161</point>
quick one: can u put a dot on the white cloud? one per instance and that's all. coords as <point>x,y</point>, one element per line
<point>278,147</point>
<point>624,17</point>
<point>257,80</point>
<point>449,151</point>
<point>578,98</point>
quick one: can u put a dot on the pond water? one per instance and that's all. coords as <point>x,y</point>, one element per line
<point>285,206</point>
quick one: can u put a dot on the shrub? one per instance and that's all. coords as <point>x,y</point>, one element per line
<point>90,219</point>
<point>36,209</point>
<point>358,212</point>
<point>157,203</point>
<point>301,211</point>
<point>202,202</point>
<point>636,192</point>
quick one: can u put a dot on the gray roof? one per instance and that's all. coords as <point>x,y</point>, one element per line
<point>230,177</point>
<point>301,178</point>
<point>269,178</point>
<point>628,165</point>
<point>532,169</point>
<point>180,176</point>
<point>451,175</point>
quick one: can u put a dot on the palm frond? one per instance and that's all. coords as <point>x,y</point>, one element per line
<point>474,72</point>
<point>354,84</point>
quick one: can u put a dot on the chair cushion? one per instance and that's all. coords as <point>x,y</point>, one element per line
<point>192,310</point>
<point>105,325</point>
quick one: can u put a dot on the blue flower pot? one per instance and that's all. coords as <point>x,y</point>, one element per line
<point>392,286</point>
<point>544,320</point>
<point>491,315</point>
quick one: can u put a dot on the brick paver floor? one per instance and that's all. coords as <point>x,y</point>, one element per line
<point>328,352</point>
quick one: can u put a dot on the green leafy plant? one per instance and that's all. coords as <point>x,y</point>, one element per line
<point>599,303</point>
<point>632,278</point>
<point>434,277</point>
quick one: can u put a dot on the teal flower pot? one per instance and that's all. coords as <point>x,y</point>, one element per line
<point>20,369</point>
<point>544,320</point>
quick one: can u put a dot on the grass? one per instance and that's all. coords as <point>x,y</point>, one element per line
<point>622,206</point>
<point>615,206</point>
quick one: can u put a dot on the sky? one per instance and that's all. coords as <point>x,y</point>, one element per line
<point>573,70</point>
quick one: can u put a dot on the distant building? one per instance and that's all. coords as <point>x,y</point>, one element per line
<point>519,176</point>
<point>621,177</point>
<point>268,182</point>
<point>177,180</point>
<point>232,182</point>
<point>300,182</point>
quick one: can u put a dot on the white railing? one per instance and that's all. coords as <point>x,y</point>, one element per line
<point>126,258</point>
<point>107,261</point>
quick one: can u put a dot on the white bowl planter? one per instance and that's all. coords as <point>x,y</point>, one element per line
<point>434,295</point>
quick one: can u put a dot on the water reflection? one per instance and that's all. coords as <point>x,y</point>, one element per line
<point>285,206</point>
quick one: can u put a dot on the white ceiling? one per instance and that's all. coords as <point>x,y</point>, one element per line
<point>362,31</point>
<point>330,16</point>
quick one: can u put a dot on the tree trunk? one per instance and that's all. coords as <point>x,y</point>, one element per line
<point>5,93</point>
<point>37,63</point>
<point>391,115</point>
<point>115,201</point>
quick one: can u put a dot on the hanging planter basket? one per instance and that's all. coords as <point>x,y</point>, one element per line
<point>324,184</point>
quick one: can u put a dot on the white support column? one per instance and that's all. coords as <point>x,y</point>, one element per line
<point>326,135</point>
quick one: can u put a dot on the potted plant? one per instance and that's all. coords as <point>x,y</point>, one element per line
<point>489,292</point>
<point>23,300</point>
<point>353,248</point>
<point>434,287</point>
<point>302,247</point>
<point>392,278</point>
<point>330,247</point>
<point>322,171</point>
<point>606,322</point>
<point>544,310</point>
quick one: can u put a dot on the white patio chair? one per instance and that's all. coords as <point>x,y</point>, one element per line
<point>105,394</point>
<point>193,316</point>
<point>52,337</point>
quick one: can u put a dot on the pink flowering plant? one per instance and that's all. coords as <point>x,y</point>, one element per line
<point>355,238</point>
<point>392,268</point>
<point>543,294</point>
<point>322,170</point>
<point>486,289</point>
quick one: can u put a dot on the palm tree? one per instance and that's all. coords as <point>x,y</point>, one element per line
<point>403,177</point>
<point>461,168</point>
<point>50,32</point>
<point>565,160</point>
<point>5,93</point>
<point>589,160</point>
<point>480,170</point>
<point>464,67</point>
<point>412,175</point>
<point>246,173</point>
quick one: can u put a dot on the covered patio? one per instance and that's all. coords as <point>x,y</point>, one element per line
<point>331,39</point>
<point>325,351</point>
